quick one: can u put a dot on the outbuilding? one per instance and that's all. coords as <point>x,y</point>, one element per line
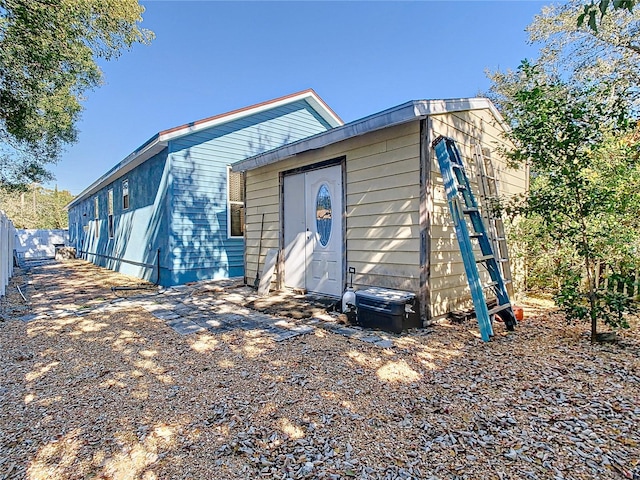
<point>171,211</point>
<point>369,195</point>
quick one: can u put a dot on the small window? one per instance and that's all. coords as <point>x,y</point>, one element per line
<point>323,215</point>
<point>125,194</point>
<point>96,213</point>
<point>110,212</point>
<point>110,202</point>
<point>235,195</point>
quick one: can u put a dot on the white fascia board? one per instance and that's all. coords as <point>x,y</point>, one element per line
<point>400,114</point>
<point>323,110</point>
<point>146,151</point>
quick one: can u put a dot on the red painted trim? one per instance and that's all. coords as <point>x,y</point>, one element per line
<point>240,110</point>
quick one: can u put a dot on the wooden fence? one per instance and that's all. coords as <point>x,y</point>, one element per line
<point>7,243</point>
<point>620,281</point>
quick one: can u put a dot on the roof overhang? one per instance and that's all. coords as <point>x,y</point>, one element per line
<point>407,112</point>
<point>159,142</point>
<point>152,147</point>
<point>308,95</point>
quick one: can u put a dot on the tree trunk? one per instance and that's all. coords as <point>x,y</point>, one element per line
<point>589,264</point>
<point>592,300</point>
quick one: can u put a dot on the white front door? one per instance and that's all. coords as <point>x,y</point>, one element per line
<point>313,230</point>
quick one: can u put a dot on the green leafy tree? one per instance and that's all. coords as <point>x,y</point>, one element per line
<point>584,159</point>
<point>594,12</point>
<point>35,207</point>
<point>587,58</point>
<point>48,53</point>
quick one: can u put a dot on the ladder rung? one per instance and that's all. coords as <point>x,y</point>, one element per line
<point>461,187</point>
<point>476,235</point>
<point>499,308</point>
<point>455,165</point>
<point>484,258</point>
<point>470,210</point>
<point>491,284</point>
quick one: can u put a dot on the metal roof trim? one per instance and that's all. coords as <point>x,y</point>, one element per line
<point>403,113</point>
<point>393,116</point>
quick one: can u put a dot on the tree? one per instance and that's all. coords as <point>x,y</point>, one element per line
<point>593,13</point>
<point>585,57</point>
<point>36,207</point>
<point>585,163</point>
<point>48,53</point>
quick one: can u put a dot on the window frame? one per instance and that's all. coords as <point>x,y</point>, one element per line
<point>235,202</point>
<point>96,216</point>
<point>126,197</point>
<point>110,212</point>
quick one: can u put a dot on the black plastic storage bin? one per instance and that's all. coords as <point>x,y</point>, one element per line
<point>389,310</point>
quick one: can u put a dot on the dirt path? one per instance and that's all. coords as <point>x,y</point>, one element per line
<point>96,388</point>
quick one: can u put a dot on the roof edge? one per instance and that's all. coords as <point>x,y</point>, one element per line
<point>160,140</point>
<point>310,95</point>
<point>406,112</point>
<point>147,150</point>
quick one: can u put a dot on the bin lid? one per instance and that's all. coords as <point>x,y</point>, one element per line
<point>386,294</point>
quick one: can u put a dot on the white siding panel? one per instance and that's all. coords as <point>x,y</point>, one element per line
<point>33,244</point>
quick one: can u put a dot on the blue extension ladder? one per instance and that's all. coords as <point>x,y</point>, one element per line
<point>463,205</point>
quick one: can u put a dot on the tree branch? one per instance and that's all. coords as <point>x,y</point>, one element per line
<point>633,48</point>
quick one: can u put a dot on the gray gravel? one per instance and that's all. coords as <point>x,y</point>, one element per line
<point>99,387</point>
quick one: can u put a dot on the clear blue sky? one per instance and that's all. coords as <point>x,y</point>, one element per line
<point>360,57</point>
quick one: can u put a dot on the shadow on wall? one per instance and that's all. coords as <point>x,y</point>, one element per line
<point>265,142</point>
<point>198,241</point>
<point>32,244</point>
<point>383,237</point>
<point>180,207</point>
<point>199,232</point>
<point>138,231</point>
<point>448,281</point>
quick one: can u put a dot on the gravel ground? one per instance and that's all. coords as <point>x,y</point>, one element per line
<point>89,392</point>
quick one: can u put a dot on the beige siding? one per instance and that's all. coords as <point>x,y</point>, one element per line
<point>382,205</point>
<point>382,195</point>
<point>449,289</point>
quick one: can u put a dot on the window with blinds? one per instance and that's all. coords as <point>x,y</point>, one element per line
<point>235,201</point>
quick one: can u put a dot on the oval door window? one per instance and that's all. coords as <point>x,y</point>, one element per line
<point>323,214</point>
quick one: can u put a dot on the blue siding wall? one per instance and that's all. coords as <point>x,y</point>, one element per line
<point>199,242</point>
<point>139,231</point>
<point>178,201</point>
